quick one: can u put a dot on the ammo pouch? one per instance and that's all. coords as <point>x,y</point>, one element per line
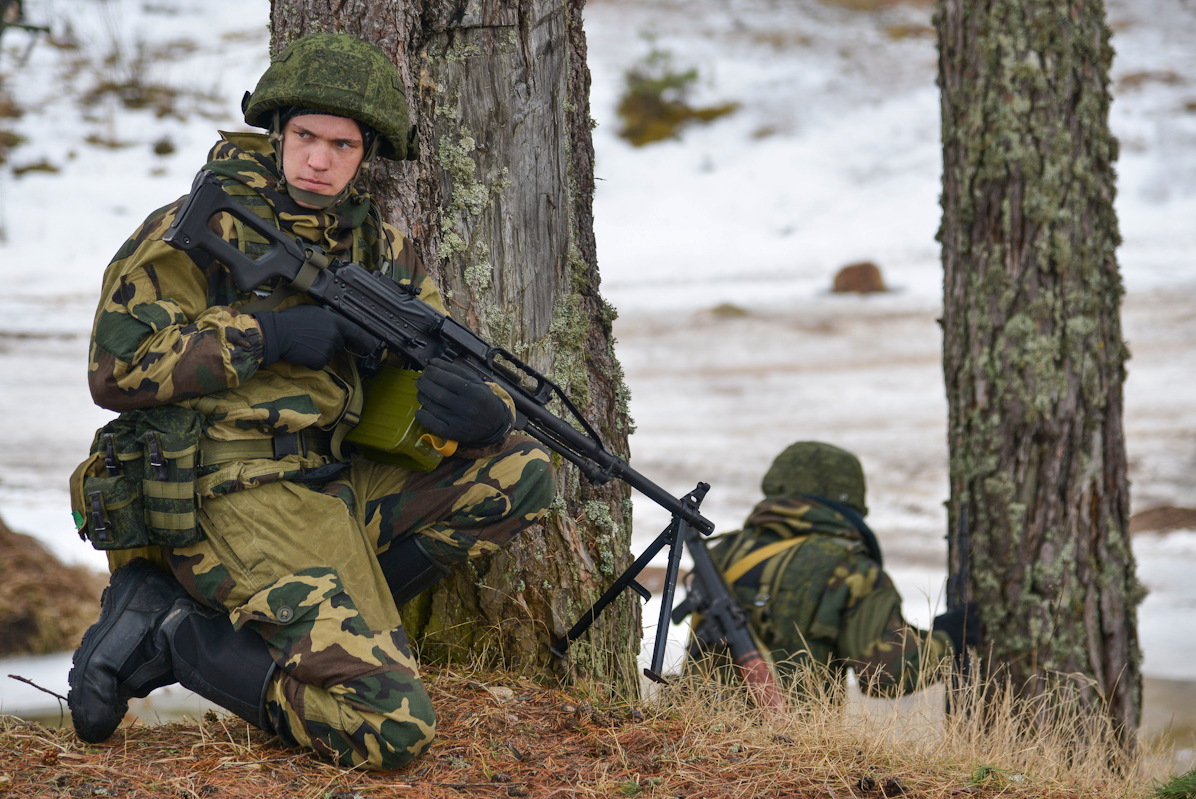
<point>137,487</point>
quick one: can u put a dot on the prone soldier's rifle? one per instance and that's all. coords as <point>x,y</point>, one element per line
<point>410,327</point>
<point>957,588</point>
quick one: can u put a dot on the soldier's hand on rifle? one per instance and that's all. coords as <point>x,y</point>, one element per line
<point>458,406</point>
<point>310,336</point>
<point>962,625</point>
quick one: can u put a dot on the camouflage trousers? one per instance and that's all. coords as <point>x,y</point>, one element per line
<point>298,565</point>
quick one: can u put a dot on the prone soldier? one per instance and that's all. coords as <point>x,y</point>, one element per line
<point>808,571</point>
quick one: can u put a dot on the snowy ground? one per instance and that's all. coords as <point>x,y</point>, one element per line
<point>832,158</point>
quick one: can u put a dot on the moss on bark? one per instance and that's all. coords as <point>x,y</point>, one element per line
<point>1033,356</point>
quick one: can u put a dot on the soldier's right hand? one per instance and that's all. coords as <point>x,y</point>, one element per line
<point>310,335</point>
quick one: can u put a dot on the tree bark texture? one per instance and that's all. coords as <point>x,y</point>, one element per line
<point>500,207</point>
<point>1033,357</point>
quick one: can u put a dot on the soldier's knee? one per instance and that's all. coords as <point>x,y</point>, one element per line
<point>404,734</point>
<point>381,721</point>
<point>536,488</point>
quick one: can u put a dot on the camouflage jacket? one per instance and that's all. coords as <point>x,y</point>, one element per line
<point>167,329</point>
<point>824,599</point>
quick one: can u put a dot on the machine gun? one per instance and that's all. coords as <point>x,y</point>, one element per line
<point>410,327</point>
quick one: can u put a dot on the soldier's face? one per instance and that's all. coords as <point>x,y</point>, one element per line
<point>321,153</point>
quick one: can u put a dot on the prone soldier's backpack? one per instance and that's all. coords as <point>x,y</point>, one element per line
<point>789,568</point>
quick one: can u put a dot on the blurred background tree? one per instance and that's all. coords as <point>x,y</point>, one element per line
<point>1033,356</point>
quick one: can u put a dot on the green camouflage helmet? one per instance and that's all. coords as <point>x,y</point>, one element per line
<point>811,467</point>
<point>343,75</point>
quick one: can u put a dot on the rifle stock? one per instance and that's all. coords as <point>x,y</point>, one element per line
<point>410,327</point>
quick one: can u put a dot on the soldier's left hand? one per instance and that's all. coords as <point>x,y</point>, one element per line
<point>458,406</point>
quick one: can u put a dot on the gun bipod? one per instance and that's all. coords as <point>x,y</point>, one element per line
<point>674,537</point>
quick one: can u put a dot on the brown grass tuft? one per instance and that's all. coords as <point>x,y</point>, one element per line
<point>1163,520</point>
<point>45,606</point>
<point>655,104</point>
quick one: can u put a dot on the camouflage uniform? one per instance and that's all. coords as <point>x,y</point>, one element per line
<point>296,562</point>
<point>825,600</point>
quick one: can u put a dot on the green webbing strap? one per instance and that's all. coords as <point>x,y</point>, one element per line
<point>214,453</point>
<point>163,490</point>
<point>217,452</point>
<point>269,302</point>
<point>170,521</point>
<point>311,267</point>
<point>302,282</point>
<point>206,404</point>
<point>352,415</point>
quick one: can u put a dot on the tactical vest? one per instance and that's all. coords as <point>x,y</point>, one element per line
<point>365,249</point>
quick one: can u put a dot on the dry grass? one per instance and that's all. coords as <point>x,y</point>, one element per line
<point>503,736</point>
<point>8,110</point>
<point>45,606</point>
<point>1048,746</point>
<point>1163,520</point>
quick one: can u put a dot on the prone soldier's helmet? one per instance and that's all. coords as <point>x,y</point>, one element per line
<point>812,467</point>
<point>338,74</point>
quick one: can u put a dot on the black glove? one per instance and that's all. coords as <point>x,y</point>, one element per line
<point>962,625</point>
<point>458,406</point>
<point>310,336</point>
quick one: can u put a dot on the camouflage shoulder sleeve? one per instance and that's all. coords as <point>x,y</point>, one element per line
<point>157,338</point>
<point>890,656</point>
<point>407,267</point>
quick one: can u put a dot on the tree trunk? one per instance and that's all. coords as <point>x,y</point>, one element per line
<point>500,208</point>
<point>1033,357</point>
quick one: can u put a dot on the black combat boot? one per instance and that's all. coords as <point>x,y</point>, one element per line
<point>409,569</point>
<point>151,633</point>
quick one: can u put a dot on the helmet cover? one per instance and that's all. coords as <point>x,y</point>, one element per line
<point>812,467</point>
<point>341,75</point>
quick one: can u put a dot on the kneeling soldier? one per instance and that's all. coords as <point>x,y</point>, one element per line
<point>276,595</point>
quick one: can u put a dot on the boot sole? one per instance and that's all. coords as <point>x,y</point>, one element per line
<point>109,614</point>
